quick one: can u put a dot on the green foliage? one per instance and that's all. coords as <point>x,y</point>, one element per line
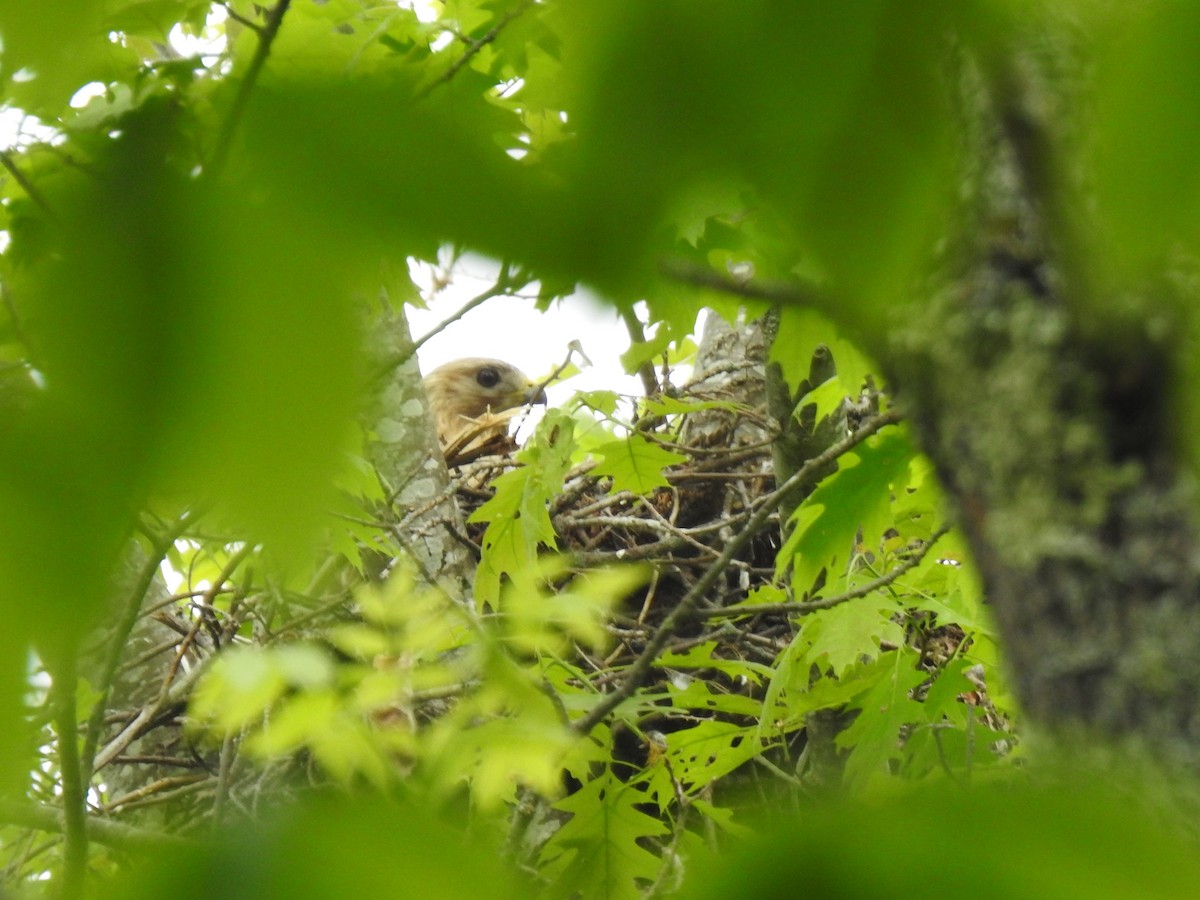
<point>1027,838</point>
<point>855,500</point>
<point>598,852</point>
<point>635,464</point>
<point>184,300</point>
<point>518,514</point>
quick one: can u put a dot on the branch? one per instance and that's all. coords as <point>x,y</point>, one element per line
<point>237,17</point>
<point>474,48</point>
<point>266,36</point>
<point>809,606</point>
<point>504,284</point>
<point>792,293</point>
<point>638,336</point>
<point>637,673</point>
<point>111,834</point>
<point>120,638</point>
<point>74,793</point>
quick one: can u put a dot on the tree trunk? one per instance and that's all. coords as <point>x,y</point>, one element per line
<point>403,447</point>
<point>1051,436</point>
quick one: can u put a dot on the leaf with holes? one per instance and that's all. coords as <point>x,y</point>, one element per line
<point>598,853</point>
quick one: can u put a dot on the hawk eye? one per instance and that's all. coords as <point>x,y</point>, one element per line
<point>487,377</point>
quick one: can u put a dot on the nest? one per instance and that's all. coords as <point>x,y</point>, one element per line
<point>723,496</point>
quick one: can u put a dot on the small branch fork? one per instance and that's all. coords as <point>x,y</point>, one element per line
<point>639,670</point>
<point>474,47</point>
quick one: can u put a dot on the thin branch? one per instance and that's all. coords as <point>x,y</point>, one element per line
<point>637,335</point>
<point>239,18</point>
<point>503,285</point>
<point>266,37</point>
<point>474,48</point>
<point>111,834</point>
<point>27,186</point>
<point>809,606</point>
<point>639,670</point>
<point>176,693</point>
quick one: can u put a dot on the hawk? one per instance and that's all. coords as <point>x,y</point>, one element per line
<point>472,401</point>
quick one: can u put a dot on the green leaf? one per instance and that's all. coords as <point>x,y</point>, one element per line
<point>635,464</point>
<point>702,656</point>
<point>648,351</point>
<point>856,496</point>
<point>518,514</point>
<point>873,737</point>
<point>598,852</point>
<point>710,750</point>
<point>841,636</point>
<point>828,397</point>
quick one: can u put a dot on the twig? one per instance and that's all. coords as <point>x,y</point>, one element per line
<point>74,795</point>
<point>504,283</point>
<point>808,606</point>
<point>239,18</point>
<point>639,670</point>
<point>266,36</point>
<point>474,48</point>
<point>157,791</point>
<point>177,691</point>
<point>637,335</point>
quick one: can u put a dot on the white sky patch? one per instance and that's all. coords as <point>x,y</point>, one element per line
<point>18,128</point>
<point>425,10</point>
<point>210,42</point>
<point>87,94</point>
<point>512,329</point>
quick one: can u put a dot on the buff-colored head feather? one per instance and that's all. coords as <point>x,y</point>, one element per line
<point>465,391</point>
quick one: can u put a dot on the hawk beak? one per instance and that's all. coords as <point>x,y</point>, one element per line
<point>536,394</point>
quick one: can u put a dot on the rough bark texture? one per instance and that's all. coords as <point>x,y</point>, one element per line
<point>404,450</point>
<point>1051,436</point>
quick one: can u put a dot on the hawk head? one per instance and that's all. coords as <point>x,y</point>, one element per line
<point>465,395</point>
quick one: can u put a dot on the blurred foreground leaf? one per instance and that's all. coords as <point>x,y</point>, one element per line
<point>1065,843</point>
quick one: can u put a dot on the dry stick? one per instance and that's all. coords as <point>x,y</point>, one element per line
<point>474,49</point>
<point>133,730</point>
<point>640,668</point>
<point>809,606</point>
<point>266,36</point>
<point>120,638</point>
